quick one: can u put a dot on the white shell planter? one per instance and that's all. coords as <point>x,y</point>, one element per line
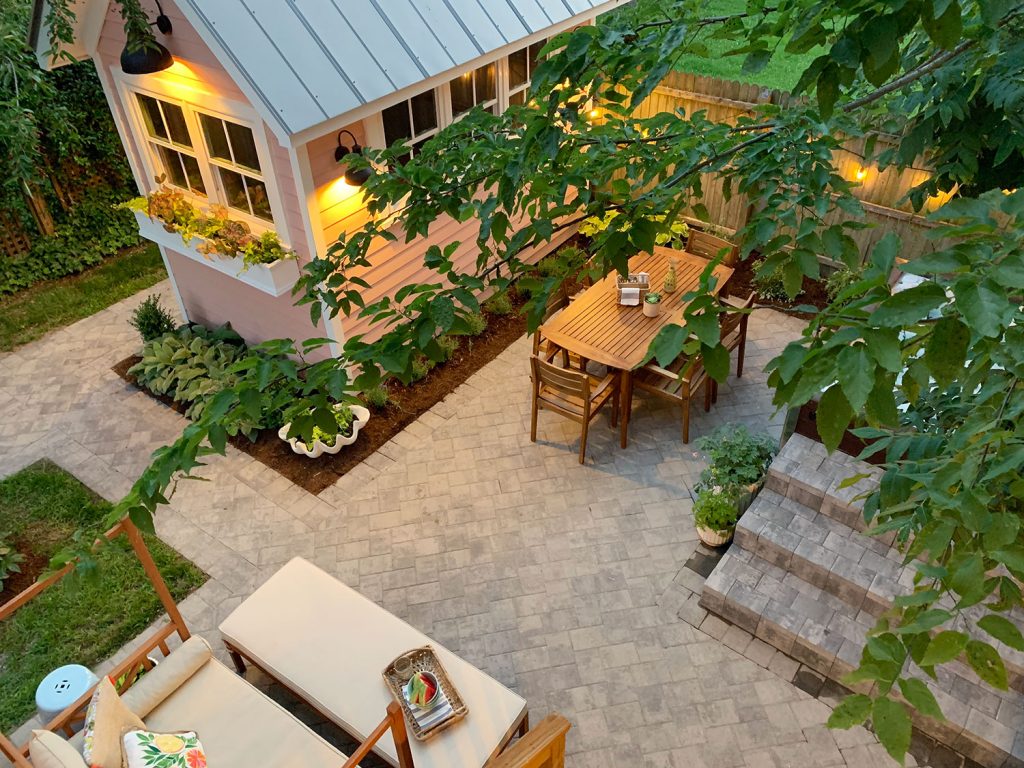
<point>715,538</point>
<point>319,448</point>
<point>652,310</point>
<point>276,278</point>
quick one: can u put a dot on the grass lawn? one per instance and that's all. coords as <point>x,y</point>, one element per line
<point>28,314</point>
<point>782,71</point>
<point>75,621</point>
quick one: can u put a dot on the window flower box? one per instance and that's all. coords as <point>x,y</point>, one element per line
<point>276,278</point>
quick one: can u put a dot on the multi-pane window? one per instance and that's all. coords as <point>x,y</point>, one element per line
<point>236,166</point>
<point>477,88</point>
<point>221,164</point>
<point>171,144</point>
<point>521,66</point>
<point>414,121</point>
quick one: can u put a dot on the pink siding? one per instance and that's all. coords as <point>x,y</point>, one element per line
<point>393,264</point>
<point>214,298</point>
<point>211,297</point>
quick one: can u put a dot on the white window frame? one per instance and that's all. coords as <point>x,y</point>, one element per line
<point>193,101</point>
<point>500,100</point>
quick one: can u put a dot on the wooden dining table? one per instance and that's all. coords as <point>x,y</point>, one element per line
<point>596,327</point>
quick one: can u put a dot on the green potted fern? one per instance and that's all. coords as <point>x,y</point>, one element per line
<point>715,514</point>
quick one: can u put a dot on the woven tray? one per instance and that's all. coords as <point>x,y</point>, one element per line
<point>424,660</point>
<point>639,280</point>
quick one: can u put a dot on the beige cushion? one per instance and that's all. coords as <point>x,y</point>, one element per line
<point>239,726</point>
<point>106,719</point>
<point>164,679</point>
<point>48,750</point>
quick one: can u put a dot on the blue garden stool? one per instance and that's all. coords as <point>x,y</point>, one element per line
<point>62,688</point>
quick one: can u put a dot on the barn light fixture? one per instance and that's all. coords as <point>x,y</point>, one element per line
<point>354,176</point>
<point>148,56</point>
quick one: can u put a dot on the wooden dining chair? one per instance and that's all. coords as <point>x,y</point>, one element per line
<point>574,394</point>
<point>545,348</point>
<point>678,383</point>
<point>733,327</point>
<point>709,246</point>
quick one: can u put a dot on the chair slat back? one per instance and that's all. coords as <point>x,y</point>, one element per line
<point>557,301</point>
<point>709,246</point>
<point>730,321</point>
<point>566,382</point>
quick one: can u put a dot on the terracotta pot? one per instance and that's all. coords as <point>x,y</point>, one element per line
<point>652,310</point>
<point>715,538</point>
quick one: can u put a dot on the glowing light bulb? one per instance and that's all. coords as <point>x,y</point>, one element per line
<point>861,173</point>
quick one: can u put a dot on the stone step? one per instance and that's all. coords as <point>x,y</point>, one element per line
<point>806,473</point>
<point>827,634</point>
<point>861,570</point>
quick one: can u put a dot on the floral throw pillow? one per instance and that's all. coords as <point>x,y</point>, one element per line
<point>145,749</point>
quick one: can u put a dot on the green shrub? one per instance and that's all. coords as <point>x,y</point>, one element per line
<point>10,559</point>
<point>344,418</point>
<point>191,366</point>
<point>476,323</point>
<point>378,397</point>
<point>715,511</point>
<point>499,304</point>
<point>449,346</point>
<point>565,262</point>
<point>770,286</point>
<point>737,458</point>
<point>421,366</point>
<point>151,320</point>
<point>88,234</point>
<point>840,280</point>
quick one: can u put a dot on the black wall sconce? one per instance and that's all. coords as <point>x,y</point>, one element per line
<point>151,56</point>
<point>354,176</point>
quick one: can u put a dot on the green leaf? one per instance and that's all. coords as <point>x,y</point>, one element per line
<point>1012,558</point>
<point>985,661</point>
<point>921,698</point>
<point>856,375</point>
<point>925,621</point>
<point>984,306</point>
<point>946,350</point>
<point>828,89</point>
<point>442,312</point>
<point>1002,629</point>
<point>142,519</point>
<point>716,361</point>
<point>892,726</point>
<point>909,306</point>
<point>668,344</point>
<point>947,28</point>
<point>218,438</point>
<point>884,345</point>
<point>853,710</point>
<point>252,403</point>
<point>834,415</point>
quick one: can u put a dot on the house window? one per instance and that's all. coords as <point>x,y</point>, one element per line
<point>236,166</point>
<point>521,66</point>
<point>477,88</point>
<point>415,121</point>
<point>171,144</point>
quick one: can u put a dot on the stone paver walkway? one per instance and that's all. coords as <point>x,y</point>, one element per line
<point>561,581</point>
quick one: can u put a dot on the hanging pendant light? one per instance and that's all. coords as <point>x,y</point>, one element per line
<point>150,56</point>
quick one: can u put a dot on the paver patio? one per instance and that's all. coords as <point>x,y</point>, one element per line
<point>564,582</point>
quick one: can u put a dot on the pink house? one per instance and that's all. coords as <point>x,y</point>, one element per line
<point>260,95</point>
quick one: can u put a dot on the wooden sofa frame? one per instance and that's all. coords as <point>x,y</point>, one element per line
<point>542,747</point>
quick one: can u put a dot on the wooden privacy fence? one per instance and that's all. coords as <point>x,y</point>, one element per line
<point>882,192</point>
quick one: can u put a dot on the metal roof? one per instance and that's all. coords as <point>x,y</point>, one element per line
<point>310,61</point>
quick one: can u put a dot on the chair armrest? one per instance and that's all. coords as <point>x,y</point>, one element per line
<point>611,380</point>
<point>542,747</point>
<point>736,303</point>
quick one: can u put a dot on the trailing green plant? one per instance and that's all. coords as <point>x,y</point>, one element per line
<point>769,283</point>
<point>715,509</point>
<point>377,397</point>
<point>151,320</point>
<point>475,323</point>
<point>10,559</point>
<point>220,234</point>
<point>499,305</point>
<point>343,420</point>
<point>840,280</point>
<point>738,458</point>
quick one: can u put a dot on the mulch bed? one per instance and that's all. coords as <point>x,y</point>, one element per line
<point>407,403</point>
<point>742,284</point>
<point>32,566</point>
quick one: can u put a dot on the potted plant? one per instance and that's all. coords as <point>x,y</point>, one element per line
<point>350,419</point>
<point>739,461</point>
<point>715,515</point>
<point>652,304</point>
